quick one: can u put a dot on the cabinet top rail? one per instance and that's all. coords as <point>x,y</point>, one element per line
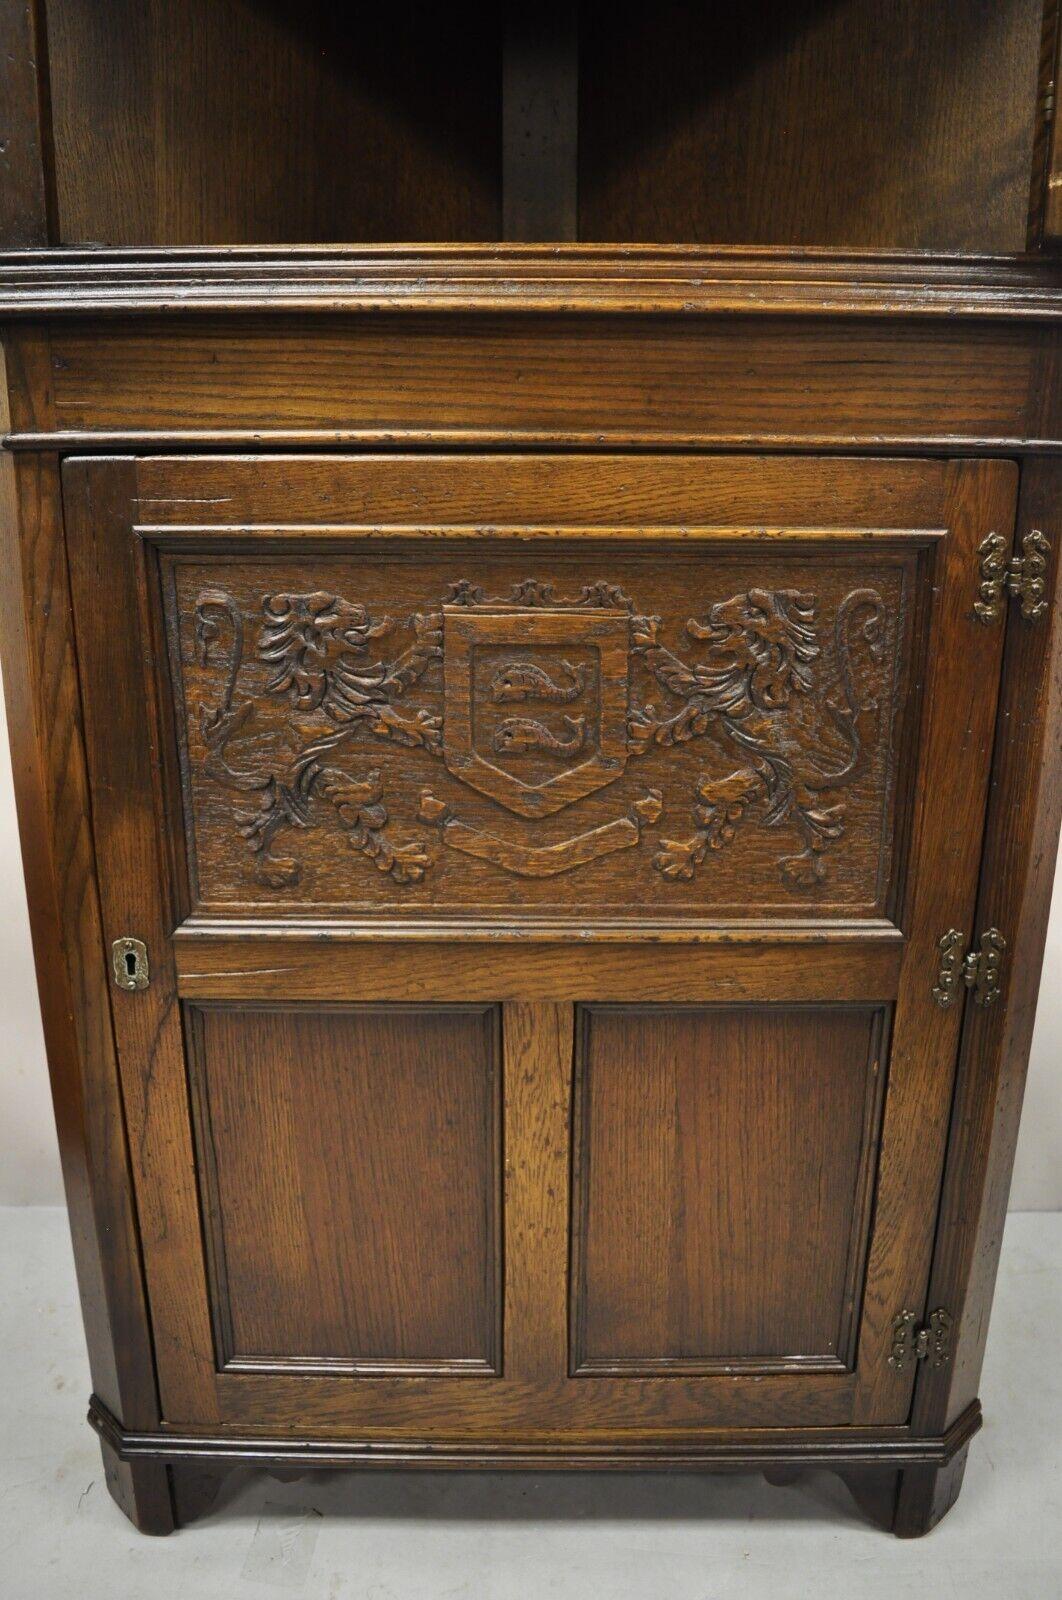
<point>521,278</point>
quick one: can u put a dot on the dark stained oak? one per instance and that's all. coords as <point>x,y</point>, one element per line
<point>48,763</point>
<point>1024,818</point>
<point>514,751</point>
<point>540,706</point>
<point>905,122</point>
<point>477,961</point>
<point>228,1352</point>
<point>540,121</point>
<point>724,1162</point>
<point>633,278</point>
<point>349,1170</point>
<point>1047,166</point>
<point>219,122</point>
<point>596,381</point>
<point>27,201</point>
<point>900,125</point>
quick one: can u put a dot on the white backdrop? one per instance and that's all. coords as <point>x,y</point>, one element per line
<point>29,1163</point>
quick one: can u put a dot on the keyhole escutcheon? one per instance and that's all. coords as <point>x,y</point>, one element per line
<point>130,960</point>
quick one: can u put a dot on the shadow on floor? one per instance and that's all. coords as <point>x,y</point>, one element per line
<point>556,1497</point>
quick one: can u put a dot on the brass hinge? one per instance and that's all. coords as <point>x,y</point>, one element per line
<point>977,969</point>
<point>1023,576</point>
<point>129,958</point>
<point>930,1342</point>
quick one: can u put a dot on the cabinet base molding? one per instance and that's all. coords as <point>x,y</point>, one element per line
<point>893,1448</point>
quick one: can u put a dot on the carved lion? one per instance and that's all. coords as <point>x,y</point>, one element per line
<point>761,661</point>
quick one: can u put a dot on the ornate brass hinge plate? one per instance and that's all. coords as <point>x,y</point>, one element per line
<point>1023,576</point>
<point>931,1342</point>
<point>977,969</point>
<point>129,958</point>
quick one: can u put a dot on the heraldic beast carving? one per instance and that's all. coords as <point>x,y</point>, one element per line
<point>753,686</point>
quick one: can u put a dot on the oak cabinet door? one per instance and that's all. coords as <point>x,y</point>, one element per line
<point>542,864</point>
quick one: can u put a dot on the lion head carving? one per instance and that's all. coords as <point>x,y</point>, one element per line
<point>767,636</point>
<point>303,634</point>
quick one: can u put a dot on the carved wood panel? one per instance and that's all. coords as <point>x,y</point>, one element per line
<point>476,732</point>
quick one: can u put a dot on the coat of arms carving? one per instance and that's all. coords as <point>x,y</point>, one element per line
<point>540,708</point>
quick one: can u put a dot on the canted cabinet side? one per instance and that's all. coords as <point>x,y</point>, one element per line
<point>51,797</point>
<point>1021,840</point>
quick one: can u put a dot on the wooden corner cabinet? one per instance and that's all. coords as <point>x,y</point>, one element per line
<point>537,751</point>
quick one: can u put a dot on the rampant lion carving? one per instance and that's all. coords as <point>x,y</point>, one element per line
<point>762,651</point>
<point>755,690</point>
<point>316,644</point>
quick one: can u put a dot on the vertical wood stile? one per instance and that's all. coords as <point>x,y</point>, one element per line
<point>537,1050</point>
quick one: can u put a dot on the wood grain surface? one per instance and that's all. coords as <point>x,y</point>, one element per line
<point>592,381</point>
<point>350,1171</point>
<point>724,1166</point>
<point>795,122</point>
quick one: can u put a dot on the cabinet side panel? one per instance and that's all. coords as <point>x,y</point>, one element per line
<point>906,124</point>
<point>40,683</point>
<point>220,122</point>
<point>1017,875</point>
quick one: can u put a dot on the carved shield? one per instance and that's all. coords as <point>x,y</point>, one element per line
<point>536,702</point>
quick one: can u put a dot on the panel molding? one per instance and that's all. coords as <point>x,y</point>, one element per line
<point>843,1358</point>
<point>227,1359</point>
<point>800,669</point>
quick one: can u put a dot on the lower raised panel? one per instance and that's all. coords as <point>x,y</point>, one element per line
<point>349,1173</point>
<point>724,1160</point>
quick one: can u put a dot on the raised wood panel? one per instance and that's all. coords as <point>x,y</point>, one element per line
<point>409,730</point>
<point>592,380</point>
<point>349,1168</point>
<point>903,123</point>
<point>724,1163</point>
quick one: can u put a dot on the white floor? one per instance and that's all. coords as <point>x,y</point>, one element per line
<point>486,1537</point>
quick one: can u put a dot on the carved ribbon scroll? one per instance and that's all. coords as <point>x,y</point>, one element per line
<point>755,661</point>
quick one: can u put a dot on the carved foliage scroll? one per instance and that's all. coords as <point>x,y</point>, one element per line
<point>546,698</point>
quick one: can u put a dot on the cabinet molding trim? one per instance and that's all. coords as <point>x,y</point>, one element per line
<point>650,279</point>
<point>894,1447</point>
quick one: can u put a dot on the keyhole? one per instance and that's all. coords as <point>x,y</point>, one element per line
<point>130,964</point>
